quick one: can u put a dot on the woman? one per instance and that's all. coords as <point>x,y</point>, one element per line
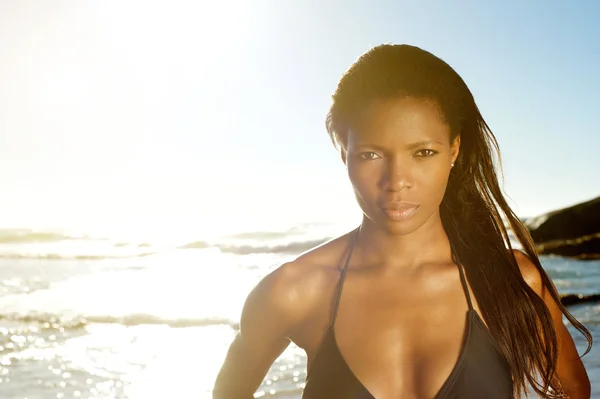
<point>427,298</point>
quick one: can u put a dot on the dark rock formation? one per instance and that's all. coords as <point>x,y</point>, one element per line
<point>571,299</point>
<point>587,247</point>
<point>572,231</point>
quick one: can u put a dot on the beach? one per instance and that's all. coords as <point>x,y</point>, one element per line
<point>84,316</point>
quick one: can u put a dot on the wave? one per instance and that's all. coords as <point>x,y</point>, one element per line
<point>287,248</point>
<point>54,256</point>
<point>22,236</point>
<point>71,323</point>
<point>298,229</point>
<point>52,321</point>
<point>22,243</point>
<point>197,245</point>
<point>293,247</point>
<point>31,236</point>
<point>262,235</point>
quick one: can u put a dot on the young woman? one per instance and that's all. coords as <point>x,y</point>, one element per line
<point>426,298</point>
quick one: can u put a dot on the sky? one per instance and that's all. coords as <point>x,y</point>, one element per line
<point>208,114</point>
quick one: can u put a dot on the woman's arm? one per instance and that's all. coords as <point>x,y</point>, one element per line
<point>273,308</point>
<point>570,369</point>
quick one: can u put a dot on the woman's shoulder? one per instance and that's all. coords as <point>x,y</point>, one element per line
<point>530,272</point>
<point>296,288</point>
<point>310,272</point>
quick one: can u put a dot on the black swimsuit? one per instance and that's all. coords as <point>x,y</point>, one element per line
<point>480,372</point>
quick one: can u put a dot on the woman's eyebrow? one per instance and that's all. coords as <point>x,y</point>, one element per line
<point>423,143</point>
<point>410,146</point>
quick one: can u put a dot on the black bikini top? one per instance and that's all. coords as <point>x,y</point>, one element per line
<point>480,372</point>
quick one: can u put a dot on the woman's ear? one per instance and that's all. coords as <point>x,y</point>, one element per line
<point>455,148</point>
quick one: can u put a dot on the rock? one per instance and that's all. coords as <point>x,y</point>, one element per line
<point>571,299</point>
<point>584,248</point>
<point>575,221</point>
<point>572,231</point>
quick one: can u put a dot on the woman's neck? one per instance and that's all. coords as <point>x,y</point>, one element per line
<point>429,243</point>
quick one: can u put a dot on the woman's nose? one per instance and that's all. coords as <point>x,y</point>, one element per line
<point>398,176</point>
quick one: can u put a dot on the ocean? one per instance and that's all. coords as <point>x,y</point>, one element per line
<point>99,316</point>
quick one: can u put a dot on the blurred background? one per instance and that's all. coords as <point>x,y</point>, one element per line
<point>158,158</point>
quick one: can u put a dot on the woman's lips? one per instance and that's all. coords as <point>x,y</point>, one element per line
<point>400,214</point>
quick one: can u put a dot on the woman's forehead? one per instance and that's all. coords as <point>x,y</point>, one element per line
<point>400,119</point>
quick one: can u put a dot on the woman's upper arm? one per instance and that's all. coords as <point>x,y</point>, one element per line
<point>271,310</point>
<point>570,369</point>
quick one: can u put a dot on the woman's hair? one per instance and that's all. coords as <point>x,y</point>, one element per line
<point>473,207</point>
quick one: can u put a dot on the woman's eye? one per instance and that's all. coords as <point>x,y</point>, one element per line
<point>368,156</point>
<point>425,153</point>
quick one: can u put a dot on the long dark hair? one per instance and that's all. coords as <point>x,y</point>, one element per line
<point>473,211</point>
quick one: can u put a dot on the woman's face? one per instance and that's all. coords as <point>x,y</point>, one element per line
<point>399,159</point>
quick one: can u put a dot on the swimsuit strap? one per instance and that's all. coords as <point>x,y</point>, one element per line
<point>463,279</point>
<point>343,275</point>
